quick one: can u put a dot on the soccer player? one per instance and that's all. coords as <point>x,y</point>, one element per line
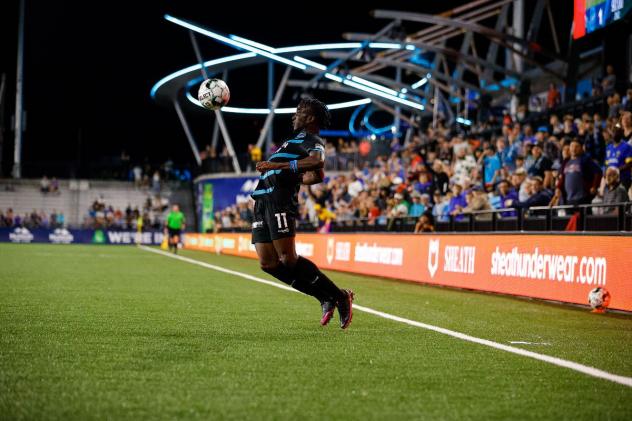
<point>299,160</point>
<point>174,226</point>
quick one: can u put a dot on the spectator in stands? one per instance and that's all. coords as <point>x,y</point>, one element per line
<point>440,178</point>
<point>552,97</point>
<point>614,105</point>
<point>155,182</point>
<point>355,186</point>
<point>416,208</point>
<point>579,178</point>
<point>619,155</point>
<point>518,183</point>
<point>538,195</point>
<point>477,200</point>
<point>591,137</point>
<point>627,101</point>
<point>626,125</point>
<point>463,165</point>
<point>507,196</point>
<point>569,127</point>
<point>541,165</point>
<point>255,154</point>
<point>138,175</point>
<point>424,223</point>
<point>555,125</point>
<point>457,202</point>
<point>614,191</point>
<point>45,185</point>
<point>609,81</point>
<point>491,166</point>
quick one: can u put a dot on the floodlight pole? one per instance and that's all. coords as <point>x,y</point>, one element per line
<point>229,144</point>
<point>187,131</point>
<point>19,120</point>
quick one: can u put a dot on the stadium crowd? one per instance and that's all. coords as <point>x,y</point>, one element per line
<point>35,219</point>
<point>150,215</point>
<point>502,163</point>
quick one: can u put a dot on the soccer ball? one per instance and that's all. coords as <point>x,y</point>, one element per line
<point>599,298</point>
<point>213,94</point>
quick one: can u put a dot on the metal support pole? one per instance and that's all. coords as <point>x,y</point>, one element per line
<point>198,55</point>
<point>229,144</point>
<point>187,132</point>
<point>19,120</point>
<point>274,105</point>
<point>396,120</point>
<point>518,26</point>
<point>270,105</point>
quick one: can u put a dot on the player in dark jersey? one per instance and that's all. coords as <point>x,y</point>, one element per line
<point>299,160</point>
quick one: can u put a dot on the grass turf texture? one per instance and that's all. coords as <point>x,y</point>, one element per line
<point>94,332</point>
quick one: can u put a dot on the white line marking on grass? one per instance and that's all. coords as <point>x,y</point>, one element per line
<point>591,371</point>
<point>529,343</point>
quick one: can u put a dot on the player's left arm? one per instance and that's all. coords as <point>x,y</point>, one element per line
<point>315,161</point>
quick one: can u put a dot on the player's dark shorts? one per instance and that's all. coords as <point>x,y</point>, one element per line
<point>272,221</point>
<point>173,232</point>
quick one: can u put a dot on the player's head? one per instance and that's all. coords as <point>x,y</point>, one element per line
<point>175,207</point>
<point>311,114</point>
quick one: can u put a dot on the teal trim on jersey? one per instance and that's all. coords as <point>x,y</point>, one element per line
<point>296,141</point>
<point>262,191</point>
<point>269,173</point>
<point>284,155</point>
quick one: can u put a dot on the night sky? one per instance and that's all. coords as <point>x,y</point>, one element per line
<point>89,67</point>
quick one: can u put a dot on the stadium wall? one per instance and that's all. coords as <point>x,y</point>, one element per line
<point>79,236</point>
<point>552,267</point>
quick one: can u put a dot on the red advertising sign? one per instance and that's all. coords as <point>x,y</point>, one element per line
<point>554,267</point>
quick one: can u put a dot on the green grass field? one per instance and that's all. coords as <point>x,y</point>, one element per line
<point>115,332</point>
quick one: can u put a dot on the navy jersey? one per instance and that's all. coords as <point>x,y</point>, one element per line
<point>282,185</point>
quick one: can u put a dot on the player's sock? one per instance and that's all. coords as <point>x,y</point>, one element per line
<point>310,277</point>
<point>286,275</point>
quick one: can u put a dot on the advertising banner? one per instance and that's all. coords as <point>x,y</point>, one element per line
<point>78,236</point>
<point>215,194</point>
<point>554,267</point>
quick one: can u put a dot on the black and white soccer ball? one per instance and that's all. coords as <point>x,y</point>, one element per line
<point>213,94</point>
<point>599,298</point>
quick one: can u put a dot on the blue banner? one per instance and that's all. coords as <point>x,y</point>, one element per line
<point>215,194</point>
<point>78,236</point>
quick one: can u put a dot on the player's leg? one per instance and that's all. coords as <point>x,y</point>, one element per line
<point>270,263</point>
<point>310,280</point>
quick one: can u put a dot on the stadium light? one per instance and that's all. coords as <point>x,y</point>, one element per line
<point>267,51</point>
<point>194,67</point>
<point>288,110</point>
<point>310,63</point>
<point>234,43</point>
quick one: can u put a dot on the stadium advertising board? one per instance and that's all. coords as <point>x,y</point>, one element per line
<point>553,267</point>
<point>219,193</point>
<point>78,236</point>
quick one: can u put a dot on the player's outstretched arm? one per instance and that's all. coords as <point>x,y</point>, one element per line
<point>314,161</point>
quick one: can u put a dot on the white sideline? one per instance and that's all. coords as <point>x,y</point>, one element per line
<point>591,371</point>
